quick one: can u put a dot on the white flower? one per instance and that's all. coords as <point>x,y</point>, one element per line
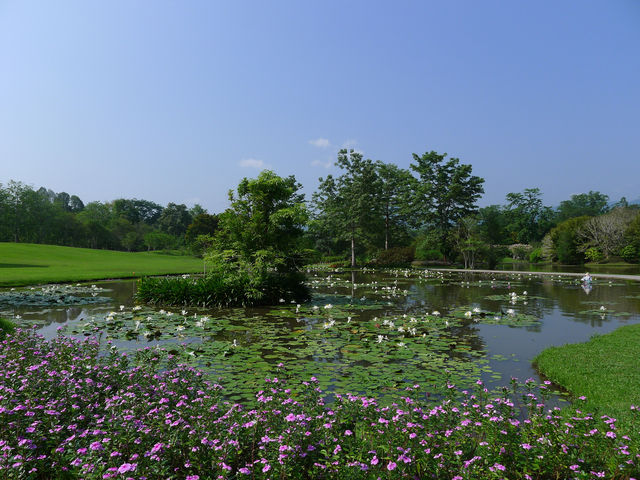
<point>511,311</point>
<point>121,307</point>
<point>184,313</point>
<point>468,314</point>
<point>524,293</point>
<point>476,310</point>
<point>179,328</point>
<point>401,344</point>
<point>137,307</point>
<point>379,339</point>
<point>435,313</point>
<point>603,308</point>
<point>328,305</point>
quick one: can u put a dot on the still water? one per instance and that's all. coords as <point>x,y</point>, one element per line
<point>363,332</point>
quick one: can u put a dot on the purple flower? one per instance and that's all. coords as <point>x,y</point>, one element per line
<point>391,466</point>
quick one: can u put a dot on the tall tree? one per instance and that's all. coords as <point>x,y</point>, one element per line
<point>396,185</point>
<point>445,193</point>
<point>175,219</point>
<point>529,219</point>
<point>346,207</point>
<point>592,204</point>
<point>266,213</point>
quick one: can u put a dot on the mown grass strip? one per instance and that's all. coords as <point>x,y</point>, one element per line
<point>28,264</point>
<point>604,369</point>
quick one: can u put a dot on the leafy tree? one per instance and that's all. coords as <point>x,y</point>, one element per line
<point>158,240</point>
<point>493,220</point>
<point>561,242</point>
<point>75,204</point>
<point>591,204</point>
<point>174,219</point>
<point>196,210</point>
<point>259,237</point>
<point>468,241</point>
<point>396,185</point>
<point>62,200</point>
<point>203,224</point>
<point>136,211</point>
<point>529,220</point>
<point>266,213</point>
<point>446,192</point>
<point>346,207</point>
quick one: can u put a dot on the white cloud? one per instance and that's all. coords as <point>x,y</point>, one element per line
<point>349,143</point>
<point>320,163</point>
<point>320,142</point>
<point>252,163</point>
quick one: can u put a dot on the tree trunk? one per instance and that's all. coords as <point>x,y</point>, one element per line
<point>353,250</point>
<point>386,229</point>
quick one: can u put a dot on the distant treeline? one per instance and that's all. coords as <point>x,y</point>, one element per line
<point>371,213</point>
<point>44,216</point>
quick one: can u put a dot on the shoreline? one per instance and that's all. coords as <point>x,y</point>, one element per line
<point>635,278</point>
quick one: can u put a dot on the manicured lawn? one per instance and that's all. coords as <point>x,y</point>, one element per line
<point>604,369</point>
<point>26,264</point>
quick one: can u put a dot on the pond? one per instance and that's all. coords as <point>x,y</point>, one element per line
<point>363,332</point>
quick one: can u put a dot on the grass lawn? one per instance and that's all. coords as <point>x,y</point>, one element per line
<point>604,369</point>
<point>28,264</point>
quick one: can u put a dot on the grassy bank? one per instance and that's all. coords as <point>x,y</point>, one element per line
<point>604,369</point>
<point>27,264</point>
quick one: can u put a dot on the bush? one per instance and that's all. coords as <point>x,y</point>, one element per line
<point>629,253</point>
<point>593,254</point>
<point>394,257</point>
<point>6,326</point>
<point>520,251</point>
<point>536,255</point>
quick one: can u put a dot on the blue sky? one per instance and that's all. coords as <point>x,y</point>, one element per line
<point>178,100</point>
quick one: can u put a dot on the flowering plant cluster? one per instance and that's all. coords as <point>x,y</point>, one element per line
<point>69,411</point>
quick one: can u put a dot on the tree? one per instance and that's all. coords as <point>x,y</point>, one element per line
<point>606,232</point>
<point>468,242</point>
<point>528,219</point>
<point>396,185</point>
<point>445,193</point>
<point>203,224</point>
<point>592,204</point>
<point>266,213</point>
<point>346,207</point>
<point>174,219</point>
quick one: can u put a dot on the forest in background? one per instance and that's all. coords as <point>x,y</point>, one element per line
<point>370,213</point>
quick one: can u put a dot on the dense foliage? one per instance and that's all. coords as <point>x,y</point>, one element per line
<point>365,209</point>
<point>43,216</point>
<point>255,256</point>
<point>68,412</point>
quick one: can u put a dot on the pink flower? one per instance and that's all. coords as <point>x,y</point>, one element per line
<point>391,466</point>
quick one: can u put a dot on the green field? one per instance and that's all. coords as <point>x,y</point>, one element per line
<point>604,369</point>
<point>28,264</point>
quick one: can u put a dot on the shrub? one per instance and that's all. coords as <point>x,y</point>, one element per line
<point>593,254</point>
<point>536,255</point>
<point>629,253</point>
<point>520,251</point>
<point>6,327</point>
<point>394,257</point>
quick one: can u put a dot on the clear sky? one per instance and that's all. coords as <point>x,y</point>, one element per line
<point>178,100</point>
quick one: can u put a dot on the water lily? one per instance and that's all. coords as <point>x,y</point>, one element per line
<point>468,314</point>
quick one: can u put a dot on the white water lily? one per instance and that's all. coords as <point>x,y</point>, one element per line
<point>524,293</point>
<point>511,311</point>
<point>401,344</point>
<point>476,310</point>
<point>184,313</point>
<point>603,308</point>
<point>137,307</point>
<point>435,313</point>
<point>329,324</point>
<point>468,314</point>
<point>179,328</point>
<point>235,343</point>
<point>138,323</point>
<point>121,307</point>
<point>380,339</point>
<point>328,306</point>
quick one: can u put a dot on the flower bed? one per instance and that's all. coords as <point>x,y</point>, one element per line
<point>68,412</point>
